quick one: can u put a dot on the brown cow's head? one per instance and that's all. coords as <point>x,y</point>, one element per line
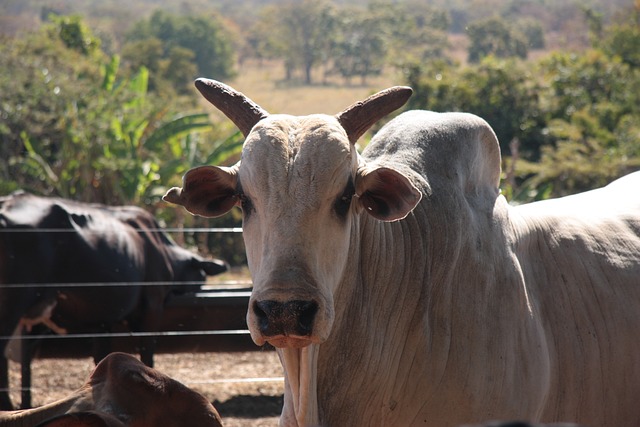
<point>300,183</point>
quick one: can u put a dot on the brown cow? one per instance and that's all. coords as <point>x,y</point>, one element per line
<point>122,391</point>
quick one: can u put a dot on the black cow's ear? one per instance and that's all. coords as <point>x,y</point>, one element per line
<point>211,268</point>
<point>207,191</point>
<point>386,194</point>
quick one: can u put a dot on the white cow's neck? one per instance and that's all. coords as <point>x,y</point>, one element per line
<point>300,397</point>
<point>367,350</point>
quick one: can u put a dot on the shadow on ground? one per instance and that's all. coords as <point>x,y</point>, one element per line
<point>250,406</point>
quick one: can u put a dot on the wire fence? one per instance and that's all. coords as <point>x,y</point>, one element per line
<point>231,284</point>
<point>212,292</point>
<point>156,230</point>
<point>218,285</point>
<point>238,380</point>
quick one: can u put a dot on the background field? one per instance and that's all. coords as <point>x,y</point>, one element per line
<point>263,83</point>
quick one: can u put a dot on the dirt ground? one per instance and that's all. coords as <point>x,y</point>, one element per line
<point>246,388</point>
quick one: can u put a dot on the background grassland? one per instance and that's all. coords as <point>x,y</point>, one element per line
<point>262,81</point>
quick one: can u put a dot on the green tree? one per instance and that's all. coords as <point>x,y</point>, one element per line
<point>413,31</point>
<point>594,21</point>
<point>148,53</point>
<point>173,71</point>
<point>180,67</point>
<point>205,37</point>
<point>114,148</point>
<point>594,131</point>
<point>74,33</point>
<point>75,128</point>
<point>360,45</point>
<point>484,89</point>
<point>40,79</point>
<point>495,37</point>
<point>579,81</point>
<point>301,33</point>
<point>585,155</point>
<point>533,32</point>
<point>622,39</point>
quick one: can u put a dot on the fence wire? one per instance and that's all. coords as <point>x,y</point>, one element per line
<point>156,230</point>
<point>218,287</point>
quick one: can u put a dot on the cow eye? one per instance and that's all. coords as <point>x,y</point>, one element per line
<point>343,202</point>
<point>245,203</point>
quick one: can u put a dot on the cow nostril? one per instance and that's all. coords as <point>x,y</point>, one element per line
<point>287,318</point>
<point>306,316</point>
<point>263,310</point>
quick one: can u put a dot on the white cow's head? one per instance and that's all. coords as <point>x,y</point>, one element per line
<point>300,182</point>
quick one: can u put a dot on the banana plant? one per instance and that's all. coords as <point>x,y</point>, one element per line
<point>121,145</point>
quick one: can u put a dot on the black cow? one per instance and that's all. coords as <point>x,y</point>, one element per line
<point>86,243</point>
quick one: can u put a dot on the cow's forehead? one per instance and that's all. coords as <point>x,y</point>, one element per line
<point>296,153</point>
<point>289,133</point>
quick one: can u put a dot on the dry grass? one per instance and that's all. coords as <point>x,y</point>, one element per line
<point>236,277</point>
<point>263,82</point>
<point>246,388</point>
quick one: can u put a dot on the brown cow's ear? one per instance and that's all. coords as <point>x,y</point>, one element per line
<point>359,117</point>
<point>207,191</point>
<point>386,194</point>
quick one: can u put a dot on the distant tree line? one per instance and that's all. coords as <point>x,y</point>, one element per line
<point>350,42</point>
<point>567,122</point>
<point>319,39</point>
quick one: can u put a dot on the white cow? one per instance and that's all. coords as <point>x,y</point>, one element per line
<point>401,289</point>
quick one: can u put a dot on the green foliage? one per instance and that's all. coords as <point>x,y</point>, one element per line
<point>623,41</point>
<point>593,101</point>
<point>567,123</point>
<point>484,89</point>
<point>348,41</point>
<point>359,49</point>
<point>74,33</point>
<point>120,140</point>
<point>301,33</point>
<point>590,156</point>
<point>495,37</point>
<point>40,80</point>
<point>578,81</point>
<point>413,31</point>
<point>180,48</point>
<point>72,127</point>
<point>533,32</point>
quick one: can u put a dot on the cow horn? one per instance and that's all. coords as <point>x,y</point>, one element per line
<point>359,117</point>
<point>242,111</point>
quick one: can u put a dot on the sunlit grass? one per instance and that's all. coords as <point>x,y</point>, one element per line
<point>264,83</point>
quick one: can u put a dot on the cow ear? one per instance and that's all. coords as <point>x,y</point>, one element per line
<point>386,194</point>
<point>211,268</point>
<point>208,191</point>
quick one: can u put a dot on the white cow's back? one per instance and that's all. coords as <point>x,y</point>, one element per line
<point>580,257</point>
